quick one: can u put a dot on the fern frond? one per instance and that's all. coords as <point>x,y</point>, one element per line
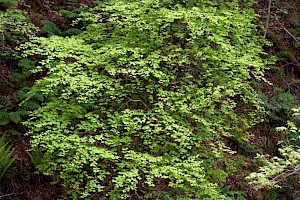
<point>3,113</point>
<point>20,96</point>
<point>282,54</point>
<point>50,28</point>
<point>38,97</point>
<point>18,78</point>
<point>6,156</point>
<point>27,64</point>
<point>72,31</point>
<point>22,112</point>
<point>6,86</point>
<point>30,105</point>
<point>4,102</point>
<point>15,117</point>
<point>67,13</point>
<point>36,157</point>
<point>4,121</point>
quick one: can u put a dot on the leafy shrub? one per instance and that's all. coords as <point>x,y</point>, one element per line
<point>14,28</point>
<point>138,104</point>
<point>276,170</point>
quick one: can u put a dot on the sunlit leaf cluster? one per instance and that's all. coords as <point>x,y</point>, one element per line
<point>138,103</point>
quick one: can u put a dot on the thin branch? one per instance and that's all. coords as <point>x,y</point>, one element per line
<point>287,31</point>
<point>137,194</point>
<point>194,93</point>
<point>284,175</point>
<point>7,195</point>
<point>131,100</point>
<point>268,18</point>
<point>123,105</point>
<point>141,102</point>
<point>290,63</point>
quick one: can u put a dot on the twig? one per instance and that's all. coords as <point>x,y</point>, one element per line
<point>194,93</point>
<point>287,31</point>
<point>141,102</point>
<point>285,174</point>
<point>137,194</point>
<point>290,55</point>
<point>131,100</point>
<point>268,18</point>
<point>7,195</point>
<point>290,63</point>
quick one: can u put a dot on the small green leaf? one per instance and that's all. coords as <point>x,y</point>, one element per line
<point>3,121</point>
<point>14,132</point>
<point>15,117</point>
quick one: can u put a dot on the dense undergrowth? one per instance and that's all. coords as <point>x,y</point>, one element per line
<point>142,99</point>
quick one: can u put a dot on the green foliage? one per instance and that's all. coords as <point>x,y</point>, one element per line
<point>21,73</point>
<point>277,169</point>
<point>139,103</point>
<point>15,116</point>
<point>237,195</point>
<point>10,111</point>
<point>14,28</point>
<point>6,157</point>
<point>279,107</point>
<point>72,31</point>
<point>5,104</point>
<point>67,13</point>
<point>3,118</point>
<point>50,28</point>
<point>8,4</point>
<point>36,157</point>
